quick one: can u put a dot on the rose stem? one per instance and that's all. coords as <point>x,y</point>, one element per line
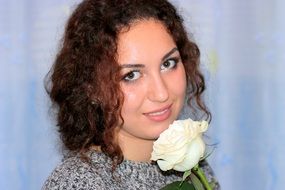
<point>202,177</point>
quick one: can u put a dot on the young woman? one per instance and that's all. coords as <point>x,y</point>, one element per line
<point>124,72</point>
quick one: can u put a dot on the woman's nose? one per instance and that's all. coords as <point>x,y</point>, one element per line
<point>158,91</point>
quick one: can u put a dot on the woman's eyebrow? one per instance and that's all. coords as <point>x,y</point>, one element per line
<point>123,66</point>
<point>169,53</point>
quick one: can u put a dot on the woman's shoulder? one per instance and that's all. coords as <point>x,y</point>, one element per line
<point>75,173</point>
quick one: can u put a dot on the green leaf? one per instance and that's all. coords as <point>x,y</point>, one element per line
<point>196,182</point>
<point>176,186</point>
<point>187,186</point>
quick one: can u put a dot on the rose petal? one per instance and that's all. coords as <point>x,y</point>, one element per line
<point>164,165</point>
<point>172,157</point>
<point>195,151</point>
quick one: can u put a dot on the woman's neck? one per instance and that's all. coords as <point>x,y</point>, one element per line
<point>133,148</point>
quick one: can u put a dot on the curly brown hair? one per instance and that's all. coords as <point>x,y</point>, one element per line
<point>84,83</point>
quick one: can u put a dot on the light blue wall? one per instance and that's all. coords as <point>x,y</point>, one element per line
<point>242,44</point>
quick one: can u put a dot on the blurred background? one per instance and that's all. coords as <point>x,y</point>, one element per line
<point>242,45</point>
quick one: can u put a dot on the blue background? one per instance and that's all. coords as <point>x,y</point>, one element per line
<point>242,44</point>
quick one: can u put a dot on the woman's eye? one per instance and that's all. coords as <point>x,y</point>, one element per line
<point>169,64</point>
<point>132,76</point>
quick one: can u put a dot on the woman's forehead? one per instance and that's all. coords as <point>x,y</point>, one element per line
<point>146,38</point>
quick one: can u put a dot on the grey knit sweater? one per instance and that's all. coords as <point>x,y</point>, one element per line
<point>73,173</point>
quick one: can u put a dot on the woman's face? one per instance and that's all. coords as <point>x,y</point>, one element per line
<point>153,79</point>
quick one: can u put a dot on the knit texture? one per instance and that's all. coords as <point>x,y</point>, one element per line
<point>74,173</point>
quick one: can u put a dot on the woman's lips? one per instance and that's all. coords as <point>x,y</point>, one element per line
<point>159,114</point>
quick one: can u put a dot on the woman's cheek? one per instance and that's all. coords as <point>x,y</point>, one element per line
<point>177,82</point>
<point>131,98</point>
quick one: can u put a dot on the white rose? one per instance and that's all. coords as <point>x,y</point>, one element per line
<point>180,147</point>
